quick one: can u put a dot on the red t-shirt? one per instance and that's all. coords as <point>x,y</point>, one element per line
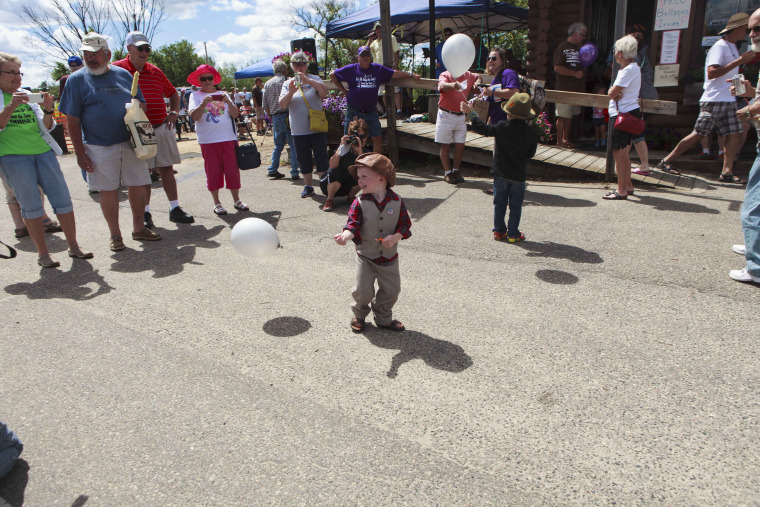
<point>154,86</point>
<point>451,99</point>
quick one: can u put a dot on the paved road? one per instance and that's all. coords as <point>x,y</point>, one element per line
<point>609,358</point>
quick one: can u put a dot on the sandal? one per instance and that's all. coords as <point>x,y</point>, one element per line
<point>357,325</point>
<point>640,172</point>
<point>614,196</point>
<point>240,205</point>
<point>393,326</point>
<point>219,210</point>
<point>669,168</point>
<point>52,226</point>
<point>731,178</point>
<point>21,233</point>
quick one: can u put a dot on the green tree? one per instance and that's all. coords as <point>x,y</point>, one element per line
<point>314,16</point>
<point>177,61</point>
<point>58,71</point>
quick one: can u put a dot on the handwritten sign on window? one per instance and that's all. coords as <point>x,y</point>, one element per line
<point>666,75</point>
<point>672,14</point>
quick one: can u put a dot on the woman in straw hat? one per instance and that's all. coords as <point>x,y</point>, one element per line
<point>515,142</point>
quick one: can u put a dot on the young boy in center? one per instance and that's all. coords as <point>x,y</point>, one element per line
<point>515,142</point>
<point>377,221</point>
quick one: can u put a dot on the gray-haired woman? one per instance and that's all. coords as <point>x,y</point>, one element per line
<point>624,98</point>
<point>28,161</point>
<point>311,146</point>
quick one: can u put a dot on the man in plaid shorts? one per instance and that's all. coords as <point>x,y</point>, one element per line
<point>717,107</point>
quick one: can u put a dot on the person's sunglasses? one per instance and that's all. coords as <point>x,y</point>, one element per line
<point>206,78</point>
<point>360,136</point>
<point>12,73</point>
<point>492,58</point>
<point>299,63</point>
<point>754,29</point>
<point>145,48</point>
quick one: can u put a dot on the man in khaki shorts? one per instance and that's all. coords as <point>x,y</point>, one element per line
<point>155,86</point>
<point>94,103</point>
<point>570,78</point>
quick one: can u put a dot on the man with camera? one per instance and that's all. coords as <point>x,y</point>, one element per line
<point>338,182</point>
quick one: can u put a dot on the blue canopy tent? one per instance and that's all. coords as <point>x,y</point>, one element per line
<point>262,68</point>
<point>411,17</point>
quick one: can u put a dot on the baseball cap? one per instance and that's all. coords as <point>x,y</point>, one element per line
<point>136,39</point>
<point>362,49</point>
<point>94,42</point>
<point>75,61</point>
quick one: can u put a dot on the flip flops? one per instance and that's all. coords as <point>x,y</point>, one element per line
<point>640,172</point>
<point>731,178</point>
<point>614,196</point>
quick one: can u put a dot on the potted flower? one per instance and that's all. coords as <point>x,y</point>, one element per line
<point>334,106</point>
<point>543,128</point>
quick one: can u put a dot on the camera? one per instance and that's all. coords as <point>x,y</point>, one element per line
<point>353,140</point>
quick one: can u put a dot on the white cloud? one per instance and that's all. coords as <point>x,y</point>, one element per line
<point>231,5</point>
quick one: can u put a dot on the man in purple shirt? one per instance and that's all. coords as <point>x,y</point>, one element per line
<point>364,79</point>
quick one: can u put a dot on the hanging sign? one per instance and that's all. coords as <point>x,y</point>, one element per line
<point>672,15</point>
<point>669,47</point>
<point>666,75</point>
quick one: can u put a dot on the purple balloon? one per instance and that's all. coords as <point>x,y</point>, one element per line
<point>588,53</point>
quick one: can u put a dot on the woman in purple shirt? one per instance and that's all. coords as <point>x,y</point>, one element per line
<point>505,84</point>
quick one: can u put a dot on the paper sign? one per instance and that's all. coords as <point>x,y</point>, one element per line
<point>707,42</point>
<point>672,15</point>
<point>666,75</point>
<point>669,48</point>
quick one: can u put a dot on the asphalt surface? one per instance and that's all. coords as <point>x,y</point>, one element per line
<point>607,359</point>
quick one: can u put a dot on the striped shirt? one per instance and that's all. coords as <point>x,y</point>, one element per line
<point>154,86</point>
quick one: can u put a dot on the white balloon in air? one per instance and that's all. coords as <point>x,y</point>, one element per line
<point>457,54</point>
<point>254,237</point>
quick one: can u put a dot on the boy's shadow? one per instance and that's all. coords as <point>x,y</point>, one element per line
<point>439,354</point>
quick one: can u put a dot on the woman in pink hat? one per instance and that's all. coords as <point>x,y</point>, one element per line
<point>213,113</point>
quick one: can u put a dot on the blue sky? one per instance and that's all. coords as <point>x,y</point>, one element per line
<point>235,31</point>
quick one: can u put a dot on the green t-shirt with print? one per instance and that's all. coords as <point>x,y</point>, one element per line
<point>22,134</point>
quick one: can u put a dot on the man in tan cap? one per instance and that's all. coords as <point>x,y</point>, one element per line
<point>717,107</point>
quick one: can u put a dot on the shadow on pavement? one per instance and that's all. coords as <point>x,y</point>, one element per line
<point>418,208</point>
<point>168,256</point>
<point>417,182</point>
<point>13,485</point>
<point>662,204</point>
<point>55,242</point>
<point>74,284</point>
<point>439,354</point>
<point>286,326</point>
<point>234,216</point>
<point>553,250</point>
<point>556,276</point>
<point>557,201</point>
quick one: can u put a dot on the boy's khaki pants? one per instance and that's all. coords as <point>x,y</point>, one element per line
<point>389,287</point>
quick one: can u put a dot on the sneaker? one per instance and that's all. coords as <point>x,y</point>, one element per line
<point>328,206</point>
<point>739,249</point>
<point>742,275</point>
<point>295,177</point>
<point>450,178</point>
<point>307,191</point>
<point>515,239</point>
<point>179,216</point>
<point>117,244</point>
<point>456,174</point>
<point>148,220</point>
<point>154,176</point>
<point>276,175</point>
<point>145,234</point>
<point>604,143</point>
<point>499,236</point>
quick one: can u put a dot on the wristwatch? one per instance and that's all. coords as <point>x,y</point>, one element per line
<point>746,114</point>
<point>47,111</point>
<point>170,112</point>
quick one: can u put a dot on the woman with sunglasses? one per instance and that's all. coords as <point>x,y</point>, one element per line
<point>213,112</point>
<point>505,84</point>
<point>28,161</point>
<point>338,182</point>
<point>311,147</point>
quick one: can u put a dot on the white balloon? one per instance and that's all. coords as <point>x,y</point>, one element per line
<point>457,54</point>
<point>254,237</point>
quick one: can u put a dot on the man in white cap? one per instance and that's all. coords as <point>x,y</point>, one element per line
<point>93,102</point>
<point>155,86</point>
<point>717,107</point>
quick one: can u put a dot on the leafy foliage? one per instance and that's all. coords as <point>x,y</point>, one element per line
<point>177,61</point>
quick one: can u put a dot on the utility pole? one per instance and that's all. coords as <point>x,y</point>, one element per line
<point>620,13</point>
<point>206,50</point>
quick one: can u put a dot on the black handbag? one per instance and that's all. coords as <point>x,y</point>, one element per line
<point>248,156</point>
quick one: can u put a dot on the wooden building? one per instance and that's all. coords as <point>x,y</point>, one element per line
<point>549,20</point>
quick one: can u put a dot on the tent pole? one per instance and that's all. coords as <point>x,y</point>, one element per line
<point>326,40</point>
<point>431,29</point>
<point>390,97</point>
<point>620,13</point>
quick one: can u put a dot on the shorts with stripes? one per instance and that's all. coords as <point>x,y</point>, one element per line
<point>718,115</point>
